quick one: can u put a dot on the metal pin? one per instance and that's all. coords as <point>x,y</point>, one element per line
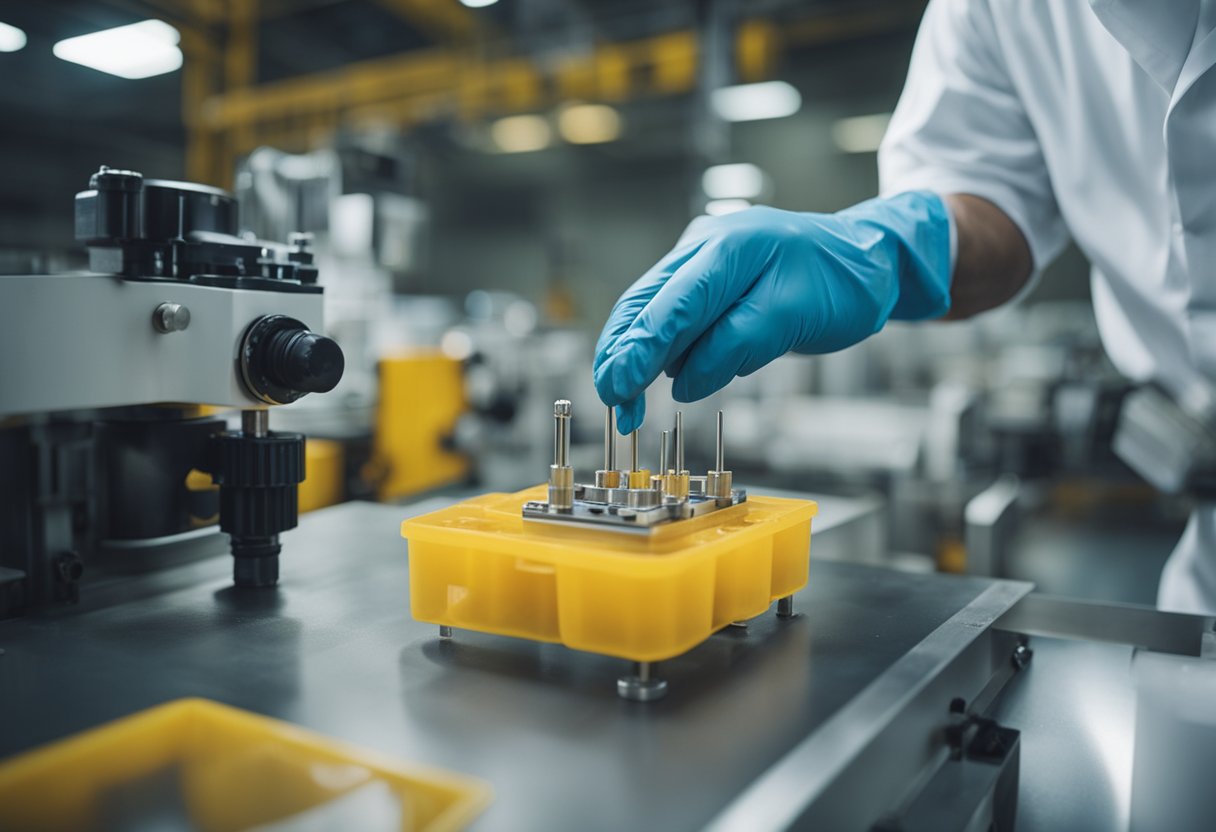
<point>609,476</point>
<point>785,607</point>
<point>720,458</point>
<point>633,451</point>
<point>561,475</point>
<point>663,451</point>
<point>679,441</point>
<point>561,432</point>
<point>255,422</point>
<point>610,440</point>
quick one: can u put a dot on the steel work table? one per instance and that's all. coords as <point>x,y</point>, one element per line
<point>334,649</point>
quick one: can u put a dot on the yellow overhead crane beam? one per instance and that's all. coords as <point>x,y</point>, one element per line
<point>227,114</point>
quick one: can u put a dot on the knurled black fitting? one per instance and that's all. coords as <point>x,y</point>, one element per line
<point>258,478</point>
<point>241,460</point>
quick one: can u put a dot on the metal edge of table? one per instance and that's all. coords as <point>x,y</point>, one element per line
<point>828,780</point>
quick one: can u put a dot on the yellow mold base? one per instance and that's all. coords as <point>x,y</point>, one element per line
<point>478,565</point>
<point>234,770</point>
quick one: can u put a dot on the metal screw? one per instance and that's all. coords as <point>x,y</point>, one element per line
<point>1021,656</point>
<point>170,317</point>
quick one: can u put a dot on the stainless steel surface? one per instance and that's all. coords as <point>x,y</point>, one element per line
<point>854,768</point>
<point>170,317</point>
<point>255,422</point>
<point>1075,706</point>
<point>630,510</point>
<point>334,649</point>
<point>1129,624</point>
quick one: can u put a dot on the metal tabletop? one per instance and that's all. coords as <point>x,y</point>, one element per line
<point>334,649</point>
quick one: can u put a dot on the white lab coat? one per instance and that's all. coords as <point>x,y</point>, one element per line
<point>1096,119</point>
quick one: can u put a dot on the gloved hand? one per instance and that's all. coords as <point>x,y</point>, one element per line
<point>742,289</point>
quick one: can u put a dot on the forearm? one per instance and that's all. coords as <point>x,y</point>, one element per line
<point>993,260</point>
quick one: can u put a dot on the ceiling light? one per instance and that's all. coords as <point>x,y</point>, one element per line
<point>521,134</point>
<point>589,123</point>
<point>860,134</point>
<point>139,50</point>
<point>718,207</point>
<point>11,38</point>
<point>742,180</point>
<point>752,102</point>
<point>477,4</point>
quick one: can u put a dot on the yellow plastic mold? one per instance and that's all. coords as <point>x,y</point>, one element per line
<point>478,565</point>
<point>228,770</point>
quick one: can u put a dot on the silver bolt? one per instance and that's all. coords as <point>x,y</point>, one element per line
<point>170,317</point>
<point>255,422</point>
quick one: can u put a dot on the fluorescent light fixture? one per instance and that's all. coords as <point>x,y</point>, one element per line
<point>589,123</point>
<point>752,102</point>
<point>718,207</point>
<point>742,180</point>
<point>521,134</point>
<point>477,4</point>
<point>11,38</point>
<point>139,50</point>
<point>860,134</point>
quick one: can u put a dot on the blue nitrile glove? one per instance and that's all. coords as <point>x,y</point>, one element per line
<point>739,290</point>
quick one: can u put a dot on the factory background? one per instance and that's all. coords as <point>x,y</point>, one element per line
<point>476,182</point>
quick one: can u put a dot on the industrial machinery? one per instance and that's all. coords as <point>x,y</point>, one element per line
<point>105,460</point>
<point>639,566</point>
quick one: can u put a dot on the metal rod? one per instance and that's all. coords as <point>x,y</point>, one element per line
<point>610,440</point>
<point>633,451</point>
<point>561,432</point>
<point>679,441</point>
<point>255,422</point>
<point>720,458</point>
<point>663,442</point>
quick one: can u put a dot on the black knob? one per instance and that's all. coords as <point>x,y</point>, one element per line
<point>281,360</point>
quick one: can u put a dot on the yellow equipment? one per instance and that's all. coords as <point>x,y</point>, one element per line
<point>225,769</point>
<point>643,574</point>
<point>421,398</point>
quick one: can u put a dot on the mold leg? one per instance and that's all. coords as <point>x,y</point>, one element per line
<point>642,685</point>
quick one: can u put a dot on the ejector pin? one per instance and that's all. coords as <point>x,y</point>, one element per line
<point>561,475</point>
<point>677,481</point>
<point>609,476</point>
<point>718,481</point>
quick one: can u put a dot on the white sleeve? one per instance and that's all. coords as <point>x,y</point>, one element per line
<point>960,126</point>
